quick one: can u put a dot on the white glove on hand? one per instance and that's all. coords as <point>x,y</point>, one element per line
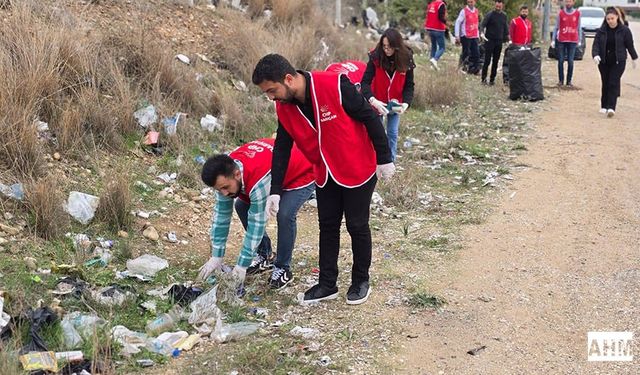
<point>379,106</point>
<point>597,60</point>
<point>553,44</point>
<point>239,273</point>
<point>385,171</point>
<point>400,109</point>
<point>483,37</point>
<point>207,269</point>
<point>273,205</point>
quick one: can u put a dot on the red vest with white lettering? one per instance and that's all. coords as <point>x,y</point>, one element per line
<point>521,31</point>
<point>353,69</point>
<point>256,158</point>
<point>338,144</point>
<point>470,23</point>
<point>432,21</point>
<point>384,87</point>
<point>568,26</point>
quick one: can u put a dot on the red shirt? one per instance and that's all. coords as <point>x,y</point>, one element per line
<point>520,31</point>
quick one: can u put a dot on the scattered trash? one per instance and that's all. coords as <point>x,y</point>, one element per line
<point>324,361</point>
<point>210,123</point>
<point>146,265</point>
<point>240,85</point>
<point>164,344</point>
<point>173,339</point>
<point>171,237</point>
<point>81,242</point>
<point>41,126</point>
<point>376,200</point>
<point>184,295</point>
<point>15,191</point>
<point>204,309</point>
<point>477,350</point>
<point>183,58</point>
<point>36,279</point>
<point>85,325</point>
<point>168,178</point>
<point>70,335</point>
<point>204,58</point>
<point>38,318</point>
<point>113,295</point>
<point>189,342</point>
<point>229,332</point>
<point>304,332</point>
<point>259,311</point>
<point>146,116</point>
<point>131,341</point>
<point>125,274</point>
<point>70,285</point>
<point>4,317</point>
<point>387,256</point>
<point>151,138</point>
<point>101,258</point>
<point>82,206</point>
<point>200,159</point>
<point>407,144</point>
<point>145,362</point>
<point>149,306</point>
<point>171,123</point>
<point>166,321</point>
<point>72,356</point>
<point>45,361</point>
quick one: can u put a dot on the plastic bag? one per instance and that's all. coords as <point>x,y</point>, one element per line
<point>113,295</point>
<point>14,191</point>
<point>204,308</point>
<point>146,265</point>
<point>131,341</point>
<point>230,332</point>
<point>525,74</point>
<point>71,337</point>
<point>82,206</point>
<point>85,324</point>
<point>39,361</point>
<point>210,123</point>
<point>184,295</point>
<point>146,116</point>
<point>38,318</point>
<point>4,317</point>
<point>171,124</point>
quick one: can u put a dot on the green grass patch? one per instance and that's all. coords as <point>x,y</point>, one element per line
<point>424,300</point>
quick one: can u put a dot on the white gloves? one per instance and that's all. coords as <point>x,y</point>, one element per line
<point>483,37</point>
<point>239,273</point>
<point>553,44</point>
<point>400,109</point>
<point>273,205</point>
<point>379,106</point>
<point>385,171</point>
<point>597,60</point>
<point>207,269</point>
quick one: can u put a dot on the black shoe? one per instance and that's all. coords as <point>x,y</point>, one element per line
<point>358,293</point>
<point>319,293</point>
<point>260,264</point>
<point>280,278</point>
<point>484,81</point>
<point>491,83</point>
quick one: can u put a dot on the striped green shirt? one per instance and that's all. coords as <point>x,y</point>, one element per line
<point>256,221</point>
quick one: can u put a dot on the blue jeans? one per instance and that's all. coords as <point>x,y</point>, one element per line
<point>437,43</point>
<point>567,49</point>
<point>290,203</point>
<point>393,123</point>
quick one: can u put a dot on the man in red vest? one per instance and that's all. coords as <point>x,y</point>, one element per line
<point>566,37</point>
<point>520,28</point>
<point>436,24</point>
<point>245,174</point>
<point>353,69</point>
<point>343,138</point>
<point>467,33</point>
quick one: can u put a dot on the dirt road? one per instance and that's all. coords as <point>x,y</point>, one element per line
<point>559,255</point>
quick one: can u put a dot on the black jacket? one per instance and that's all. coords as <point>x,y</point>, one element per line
<point>497,27</point>
<point>624,43</point>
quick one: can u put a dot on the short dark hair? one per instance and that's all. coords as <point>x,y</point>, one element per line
<point>499,1</point>
<point>218,165</point>
<point>524,7</point>
<point>272,67</point>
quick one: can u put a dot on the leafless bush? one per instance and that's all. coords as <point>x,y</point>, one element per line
<point>437,88</point>
<point>44,201</point>
<point>115,203</point>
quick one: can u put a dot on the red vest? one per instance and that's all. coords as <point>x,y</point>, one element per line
<point>521,31</point>
<point>353,69</point>
<point>256,164</point>
<point>568,26</point>
<point>384,87</point>
<point>337,144</point>
<point>471,23</point>
<point>432,22</point>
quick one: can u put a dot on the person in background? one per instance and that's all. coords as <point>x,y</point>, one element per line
<point>388,82</point>
<point>568,35</point>
<point>245,176</point>
<point>343,138</point>
<point>466,32</point>
<point>520,28</point>
<point>494,29</point>
<point>609,51</point>
<point>353,69</point>
<point>436,24</point>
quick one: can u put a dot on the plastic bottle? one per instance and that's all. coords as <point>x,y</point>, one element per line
<point>163,348</point>
<point>166,321</point>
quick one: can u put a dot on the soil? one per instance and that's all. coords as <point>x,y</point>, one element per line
<point>558,256</point>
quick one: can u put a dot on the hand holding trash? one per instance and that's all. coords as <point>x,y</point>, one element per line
<point>385,171</point>
<point>214,263</point>
<point>273,205</point>
<point>483,37</point>
<point>597,60</point>
<point>239,273</point>
<point>553,44</point>
<point>400,108</point>
<point>379,106</point>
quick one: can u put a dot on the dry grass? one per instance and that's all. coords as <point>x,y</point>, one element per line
<point>44,201</point>
<point>116,203</point>
<point>287,12</point>
<point>435,89</point>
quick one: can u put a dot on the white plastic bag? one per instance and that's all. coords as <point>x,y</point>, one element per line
<point>234,331</point>
<point>146,116</point>
<point>204,309</point>
<point>210,123</point>
<point>131,341</point>
<point>146,265</point>
<point>82,206</point>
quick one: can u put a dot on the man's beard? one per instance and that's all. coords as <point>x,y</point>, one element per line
<point>290,97</point>
<point>234,196</point>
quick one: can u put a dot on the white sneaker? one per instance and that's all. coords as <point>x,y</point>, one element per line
<point>434,63</point>
<point>610,113</point>
<point>603,110</point>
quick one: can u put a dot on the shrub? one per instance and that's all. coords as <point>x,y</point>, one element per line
<point>437,88</point>
<point>115,203</point>
<point>44,201</point>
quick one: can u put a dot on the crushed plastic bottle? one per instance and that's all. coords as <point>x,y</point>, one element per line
<point>166,321</point>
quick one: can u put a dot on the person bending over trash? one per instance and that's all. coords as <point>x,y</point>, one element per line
<point>245,176</point>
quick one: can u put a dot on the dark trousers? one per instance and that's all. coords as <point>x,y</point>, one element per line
<point>492,50</point>
<point>568,50</point>
<point>333,202</point>
<point>610,75</point>
<point>470,49</point>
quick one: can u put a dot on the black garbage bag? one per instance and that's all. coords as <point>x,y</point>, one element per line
<point>505,62</point>
<point>525,75</point>
<point>39,318</point>
<point>183,295</point>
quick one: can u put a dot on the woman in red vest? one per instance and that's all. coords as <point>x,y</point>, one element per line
<point>388,81</point>
<point>568,35</point>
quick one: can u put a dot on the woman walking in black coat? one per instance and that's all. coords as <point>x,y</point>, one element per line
<point>613,40</point>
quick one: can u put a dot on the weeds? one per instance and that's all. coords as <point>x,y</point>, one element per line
<point>437,88</point>
<point>44,201</point>
<point>425,300</point>
<point>115,203</point>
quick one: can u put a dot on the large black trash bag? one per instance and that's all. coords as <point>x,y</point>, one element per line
<point>525,75</point>
<point>39,318</point>
<point>505,62</point>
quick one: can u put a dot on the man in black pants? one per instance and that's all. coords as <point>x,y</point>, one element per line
<point>496,31</point>
<point>343,138</point>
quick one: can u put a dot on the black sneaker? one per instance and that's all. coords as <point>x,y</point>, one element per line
<point>280,278</point>
<point>358,293</point>
<point>319,293</point>
<point>491,83</point>
<point>260,264</point>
